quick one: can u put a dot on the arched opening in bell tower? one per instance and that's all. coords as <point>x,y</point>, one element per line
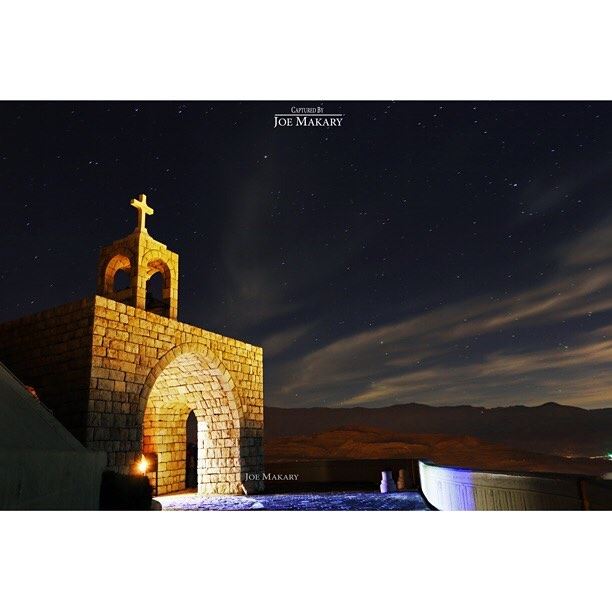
<point>117,279</point>
<point>155,295</point>
<point>158,288</point>
<point>122,280</point>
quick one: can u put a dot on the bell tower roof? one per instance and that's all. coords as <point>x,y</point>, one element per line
<point>139,258</point>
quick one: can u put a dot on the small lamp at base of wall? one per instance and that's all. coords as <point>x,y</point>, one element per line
<point>148,463</point>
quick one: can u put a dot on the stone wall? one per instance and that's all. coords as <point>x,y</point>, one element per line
<point>51,351</point>
<point>112,374</point>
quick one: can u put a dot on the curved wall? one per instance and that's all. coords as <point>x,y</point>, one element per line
<point>449,488</point>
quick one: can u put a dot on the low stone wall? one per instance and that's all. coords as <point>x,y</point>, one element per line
<point>449,488</point>
<point>337,474</point>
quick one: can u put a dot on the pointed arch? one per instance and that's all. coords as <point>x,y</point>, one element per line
<point>191,377</point>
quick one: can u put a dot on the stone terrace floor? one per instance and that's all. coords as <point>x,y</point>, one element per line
<point>353,500</point>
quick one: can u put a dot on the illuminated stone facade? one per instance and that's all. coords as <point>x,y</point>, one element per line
<point>124,378</point>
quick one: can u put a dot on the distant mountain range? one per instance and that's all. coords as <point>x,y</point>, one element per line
<point>549,428</point>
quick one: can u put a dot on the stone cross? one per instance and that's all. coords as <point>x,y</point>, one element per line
<point>140,204</point>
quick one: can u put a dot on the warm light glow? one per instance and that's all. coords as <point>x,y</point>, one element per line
<point>142,465</point>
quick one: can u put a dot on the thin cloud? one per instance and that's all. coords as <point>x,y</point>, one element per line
<point>278,343</point>
<point>592,248</point>
<point>436,357</point>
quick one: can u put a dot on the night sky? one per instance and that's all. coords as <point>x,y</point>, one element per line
<point>436,252</point>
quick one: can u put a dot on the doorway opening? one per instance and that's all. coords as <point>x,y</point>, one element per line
<point>191,457</point>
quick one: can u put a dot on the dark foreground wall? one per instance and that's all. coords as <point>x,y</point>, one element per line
<point>42,466</point>
<point>50,479</point>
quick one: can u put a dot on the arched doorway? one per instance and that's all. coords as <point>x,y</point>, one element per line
<point>191,379</point>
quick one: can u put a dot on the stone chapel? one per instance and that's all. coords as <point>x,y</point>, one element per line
<point>125,376</point>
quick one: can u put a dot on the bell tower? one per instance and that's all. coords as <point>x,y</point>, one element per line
<point>129,267</point>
